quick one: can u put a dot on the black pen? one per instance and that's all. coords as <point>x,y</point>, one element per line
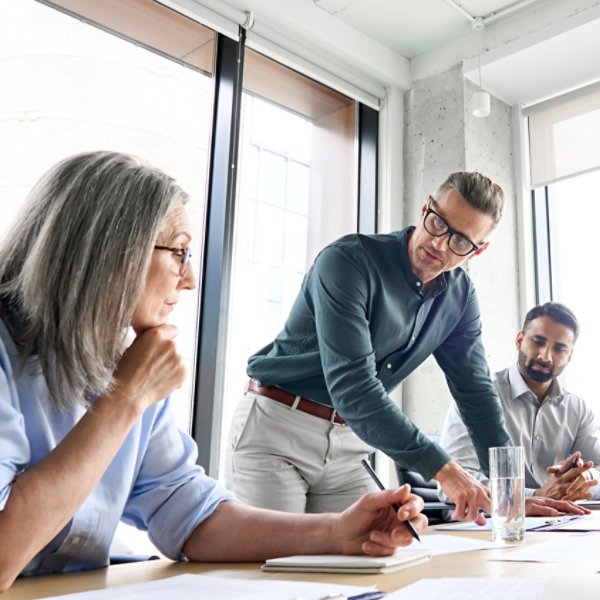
<point>372,473</point>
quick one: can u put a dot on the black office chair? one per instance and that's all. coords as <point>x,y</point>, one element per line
<point>435,511</point>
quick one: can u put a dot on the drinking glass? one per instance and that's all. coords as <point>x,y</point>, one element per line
<point>507,483</point>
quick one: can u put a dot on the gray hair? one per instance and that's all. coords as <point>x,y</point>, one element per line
<point>75,265</point>
<point>479,191</point>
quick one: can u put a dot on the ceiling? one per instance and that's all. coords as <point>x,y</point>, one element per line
<point>528,50</point>
<point>413,27</point>
<point>523,72</point>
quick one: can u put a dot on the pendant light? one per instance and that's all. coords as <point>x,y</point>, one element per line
<point>480,101</point>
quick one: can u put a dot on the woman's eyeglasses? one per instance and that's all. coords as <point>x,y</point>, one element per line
<point>184,253</point>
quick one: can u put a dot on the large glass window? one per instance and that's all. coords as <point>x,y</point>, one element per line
<point>135,76</point>
<point>69,86</point>
<point>297,191</point>
<point>567,263</point>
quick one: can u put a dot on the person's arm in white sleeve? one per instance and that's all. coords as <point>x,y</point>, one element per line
<point>587,442</point>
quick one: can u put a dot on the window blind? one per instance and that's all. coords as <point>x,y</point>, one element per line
<point>563,135</point>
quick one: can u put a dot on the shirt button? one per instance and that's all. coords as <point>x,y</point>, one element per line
<point>418,284</point>
<point>538,437</point>
<point>76,539</point>
<point>389,365</point>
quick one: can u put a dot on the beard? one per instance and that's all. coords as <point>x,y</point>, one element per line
<point>535,375</point>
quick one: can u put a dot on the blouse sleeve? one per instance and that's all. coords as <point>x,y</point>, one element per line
<point>171,494</point>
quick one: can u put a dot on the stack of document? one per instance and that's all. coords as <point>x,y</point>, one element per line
<point>332,563</point>
<point>563,523</point>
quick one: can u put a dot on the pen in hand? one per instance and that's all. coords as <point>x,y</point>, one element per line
<point>373,475</point>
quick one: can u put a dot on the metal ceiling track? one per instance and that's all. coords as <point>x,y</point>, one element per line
<point>493,16</point>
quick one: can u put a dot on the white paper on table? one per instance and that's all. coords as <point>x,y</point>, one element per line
<point>472,588</point>
<point>193,587</point>
<point>531,524</point>
<point>580,523</point>
<point>448,544</point>
<point>564,548</point>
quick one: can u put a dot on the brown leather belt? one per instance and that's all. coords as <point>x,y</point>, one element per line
<point>302,404</point>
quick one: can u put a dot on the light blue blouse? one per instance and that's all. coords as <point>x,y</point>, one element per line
<point>153,482</point>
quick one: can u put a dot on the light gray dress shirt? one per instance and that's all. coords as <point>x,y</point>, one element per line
<point>549,432</point>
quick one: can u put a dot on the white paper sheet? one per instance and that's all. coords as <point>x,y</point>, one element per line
<point>448,544</point>
<point>582,523</point>
<point>565,548</point>
<point>531,524</point>
<point>193,587</point>
<point>472,589</point>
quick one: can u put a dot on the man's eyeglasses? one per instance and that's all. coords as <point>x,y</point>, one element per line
<point>184,253</point>
<point>437,226</point>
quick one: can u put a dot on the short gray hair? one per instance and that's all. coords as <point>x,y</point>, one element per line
<point>74,267</point>
<point>479,191</point>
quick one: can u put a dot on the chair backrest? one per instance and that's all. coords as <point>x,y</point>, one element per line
<point>436,511</point>
<point>426,488</point>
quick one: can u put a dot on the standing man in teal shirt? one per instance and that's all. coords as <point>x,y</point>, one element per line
<point>371,309</point>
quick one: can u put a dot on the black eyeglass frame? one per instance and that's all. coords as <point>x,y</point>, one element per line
<point>184,253</point>
<point>449,231</point>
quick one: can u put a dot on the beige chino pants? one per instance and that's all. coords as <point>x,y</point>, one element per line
<point>284,459</point>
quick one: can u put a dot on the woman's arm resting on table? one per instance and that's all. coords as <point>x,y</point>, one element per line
<point>240,533</point>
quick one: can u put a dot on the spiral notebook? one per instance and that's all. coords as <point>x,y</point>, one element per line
<point>333,563</point>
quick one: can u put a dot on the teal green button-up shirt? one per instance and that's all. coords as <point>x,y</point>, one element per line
<point>361,324</point>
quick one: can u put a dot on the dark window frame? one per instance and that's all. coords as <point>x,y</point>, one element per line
<point>218,237</point>
<point>542,244</point>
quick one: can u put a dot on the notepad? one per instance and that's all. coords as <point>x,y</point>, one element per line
<point>333,563</point>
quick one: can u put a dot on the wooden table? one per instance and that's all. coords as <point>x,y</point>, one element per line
<point>581,583</point>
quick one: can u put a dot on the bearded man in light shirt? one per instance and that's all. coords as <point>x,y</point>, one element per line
<point>557,429</point>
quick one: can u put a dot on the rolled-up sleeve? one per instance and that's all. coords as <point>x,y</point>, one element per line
<point>14,446</point>
<point>171,494</point>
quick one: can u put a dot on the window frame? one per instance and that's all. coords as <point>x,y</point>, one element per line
<point>542,244</point>
<point>218,240</point>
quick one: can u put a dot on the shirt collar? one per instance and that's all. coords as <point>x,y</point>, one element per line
<point>518,387</point>
<point>436,286</point>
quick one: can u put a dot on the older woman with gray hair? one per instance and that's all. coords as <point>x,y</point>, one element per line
<point>87,433</point>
